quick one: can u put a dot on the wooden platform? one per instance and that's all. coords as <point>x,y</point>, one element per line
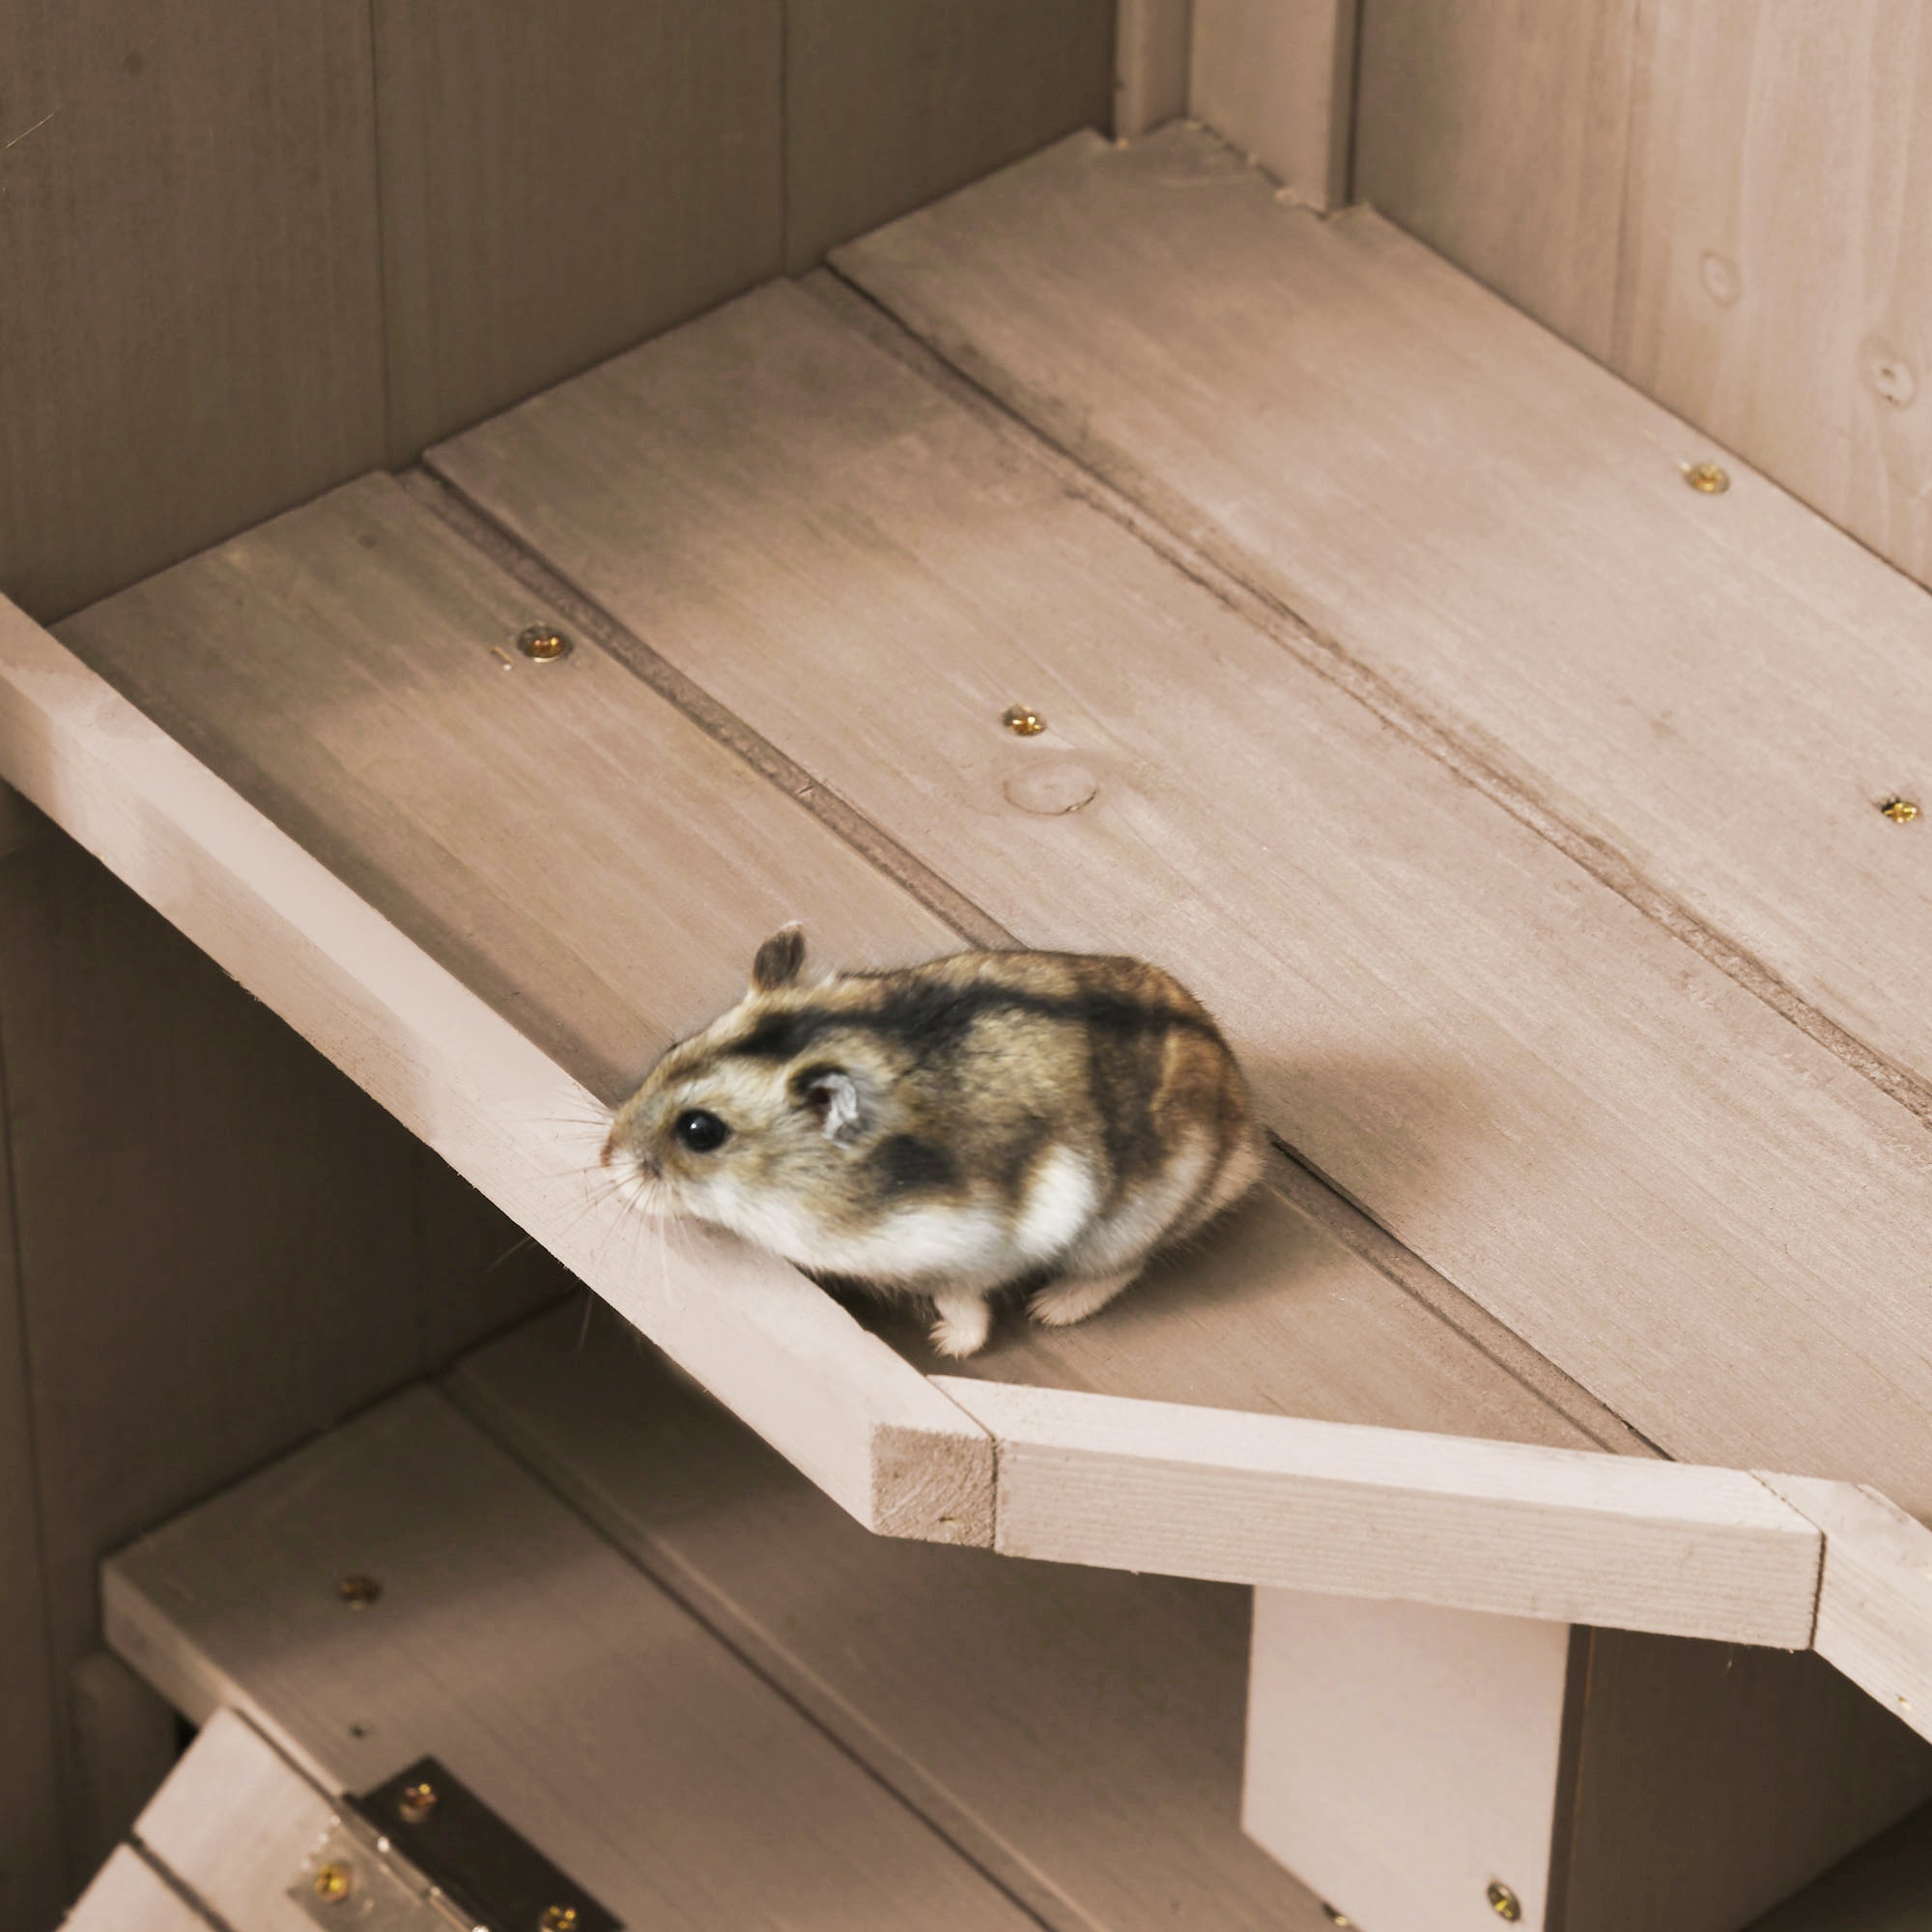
<point>1399,695</point>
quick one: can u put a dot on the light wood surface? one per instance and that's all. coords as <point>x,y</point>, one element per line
<point>235,1827</point>
<point>1875,1601</point>
<point>193,335</point>
<point>1712,198</point>
<point>477,1092</point>
<point>1277,79</point>
<point>1354,1511</point>
<point>1705,1218</point>
<point>558,185</point>
<point>1076,1731</point>
<point>886,105</point>
<point>564,1688</point>
<point>129,1895</point>
<point>1150,49</point>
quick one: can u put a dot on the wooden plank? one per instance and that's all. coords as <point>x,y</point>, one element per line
<point>1151,49</point>
<point>1076,1731</point>
<point>34,1883</point>
<point>129,1895</point>
<point>1353,1511</point>
<point>1768,284</point>
<point>234,1824</point>
<point>1278,81</point>
<point>191,202</point>
<point>1499,134</point>
<point>505,1116</point>
<point>565,1689</point>
<point>886,105</point>
<point>1883,1888</point>
<point>1875,1601</point>
<point>1709,1221</point>
<point>510,138</point>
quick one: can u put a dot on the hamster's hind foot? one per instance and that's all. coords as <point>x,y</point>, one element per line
<point>1063,1303</point>
<point>965,1320</point>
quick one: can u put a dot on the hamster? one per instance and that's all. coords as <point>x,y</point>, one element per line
<point>944,1131</point>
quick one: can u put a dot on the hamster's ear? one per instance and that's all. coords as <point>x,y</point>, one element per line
<point>841,1105</point>
<point>779,960</point>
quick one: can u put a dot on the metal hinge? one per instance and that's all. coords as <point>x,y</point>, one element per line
<point>421,1853</point>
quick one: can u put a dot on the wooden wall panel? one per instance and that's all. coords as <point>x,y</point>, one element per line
<point>191,334</point>
<point>891,102</point>
<point>1727,201</point>
<point>560,182</point>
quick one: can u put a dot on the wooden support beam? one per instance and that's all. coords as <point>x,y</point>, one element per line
<point>1428,1771</point>
<point>1509,1528</point>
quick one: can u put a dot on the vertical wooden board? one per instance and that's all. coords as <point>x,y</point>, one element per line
<point>1496,132</point>
<point>1150,49</point>
<point>191,337</point>
<point>889,104</point>
<point>560,182</point>
<point>1774,282</point>
<point>1278,80</point>
<point>34,1880</point>
<point>217,1253</point>
<point>1076,1732</point>
<point>127,1741</point>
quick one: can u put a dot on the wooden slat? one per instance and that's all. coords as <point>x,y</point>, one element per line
<point>129,1895</point>
<point>1358,1512</point>
<point>886,105</point>
<point>1875,1603</point>
<point>1151,49</point>
<point>1277,79</point>
<point>1077,1732</point>
<point>192,337</point>
<point>461,1076</point>
<point>566,1690</point>
<point>1709,1221</point>
<point>510,141</point>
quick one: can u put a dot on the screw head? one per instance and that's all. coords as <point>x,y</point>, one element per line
<point>1023,721</point>
<point>334,1882</point>
<point>417,1801</point>
<point>1336,1917</point>
<point>359,1592</point>
<point>1707,478</point>
<point>1900,810</point>
<point>543,643</point>
<point>1504,1903</point>
<point>560,1919</point>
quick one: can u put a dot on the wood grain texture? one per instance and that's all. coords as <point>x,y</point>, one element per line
<point>34,1883</point>
<point>1076,1732</point>
<point>1498,134</point>
<point>235,1825</point>
<point>192,336</point>
<point>1278,81</point>
<point>559,184</point>
<point>1706,1219</point>
<point>1150,49</point>
<point>887,104</point>
<point>566,1690</point>
<point>459,1075</point>
<point>128,1894</point>
<point>1359,1512</point>
<point>1875,1603</point>
<point>1720,201</point>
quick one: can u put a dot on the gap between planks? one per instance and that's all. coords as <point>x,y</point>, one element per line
<point>1296,1179</point>
<point>1111,482</point>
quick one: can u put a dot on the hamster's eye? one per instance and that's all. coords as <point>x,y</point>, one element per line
<point>700,1132</point>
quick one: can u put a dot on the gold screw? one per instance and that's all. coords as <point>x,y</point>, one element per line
<point>418,1800</point>
<point>543,643</point>
<point>1504,1903</point>
<point>1900,810</point>
<point>1336,1917</point>
<point>359,1592</point>
<point>333,1882</point>
<point>560,1918</point>
<point>1023,721</point>
<point>1707,478</point>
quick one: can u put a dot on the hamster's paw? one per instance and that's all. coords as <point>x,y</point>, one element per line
<point>965,1320</point>
<point>1063,1303</point>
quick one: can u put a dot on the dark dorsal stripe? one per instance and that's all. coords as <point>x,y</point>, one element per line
<point>907,1165</point>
